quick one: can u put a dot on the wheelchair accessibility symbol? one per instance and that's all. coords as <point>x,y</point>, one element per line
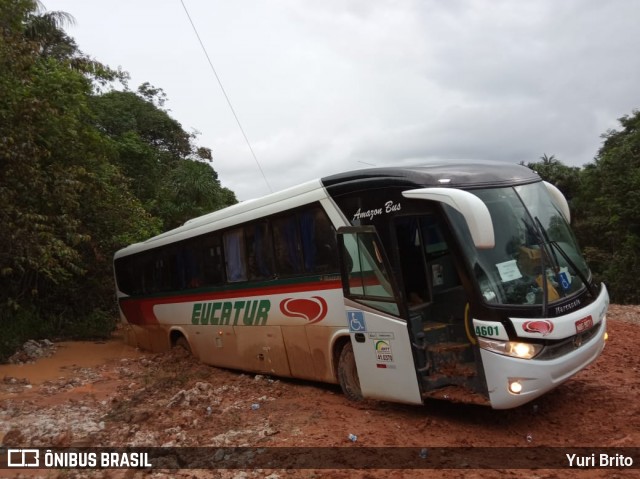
<point>356,321</point>
<point>565,281</point>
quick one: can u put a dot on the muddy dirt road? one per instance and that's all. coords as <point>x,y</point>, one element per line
<point>107,394</point>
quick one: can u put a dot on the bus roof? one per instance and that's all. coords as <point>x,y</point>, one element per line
<point>455,174</point>
<point>255,208</point>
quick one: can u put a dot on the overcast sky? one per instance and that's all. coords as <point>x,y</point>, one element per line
<point>322,87</point>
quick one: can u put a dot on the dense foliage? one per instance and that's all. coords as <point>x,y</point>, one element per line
<point>609,206</point>
<point>605,202</point>
<point>82,173</point>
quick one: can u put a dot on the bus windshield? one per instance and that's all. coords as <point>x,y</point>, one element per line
<point>536,259</point>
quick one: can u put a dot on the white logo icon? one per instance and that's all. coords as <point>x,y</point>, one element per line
<point>23,458</point>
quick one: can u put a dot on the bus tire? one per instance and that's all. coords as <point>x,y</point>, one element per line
<point>348,374</point>
<point>182,342</point>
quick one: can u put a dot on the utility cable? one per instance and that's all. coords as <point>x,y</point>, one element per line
<point>246,139</point>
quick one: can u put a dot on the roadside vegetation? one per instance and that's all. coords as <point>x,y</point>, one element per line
<point>604,197</point>
<point>86,166</point>
<point>89,165</point>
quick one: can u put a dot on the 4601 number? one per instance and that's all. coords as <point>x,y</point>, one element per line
<point>487,331</point>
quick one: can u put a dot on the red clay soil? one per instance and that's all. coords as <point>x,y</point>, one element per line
<point>142,399</point>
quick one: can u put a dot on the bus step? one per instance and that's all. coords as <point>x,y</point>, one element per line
<point>457,393</point>
<point>435,332</point>
<point>453,359</point>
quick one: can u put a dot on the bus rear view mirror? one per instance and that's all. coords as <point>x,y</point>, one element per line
<point>472,208</point>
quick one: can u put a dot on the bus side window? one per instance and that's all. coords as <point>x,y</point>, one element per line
<point>235,255</point>
<point>169,275</point>
<point>190,265</point>
<point>148,274</point>
<point>305,242</point>
<point>212,263</point>
<point>307,237</point>
<point>259,249</point>
<point>319,244</point>
<point>124,275</point>
<point>138,278</point>
<point>288,252</point>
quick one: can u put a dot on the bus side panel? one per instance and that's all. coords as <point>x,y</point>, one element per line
<point>321,341</point>
<point>217,346</point>
<point>143,333</point>
<point>281,330</point>
<point>298,352</point>
<point>153,338</point>
<point>262,349</point>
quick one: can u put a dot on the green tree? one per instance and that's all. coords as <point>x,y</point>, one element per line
<point>170,174</point>
<point>147,142</point>
<point>565,178</point>
<point>82,174</point>
<point>62,199</point>
<point>45,29</point>
<point>191,189</point>
<point>609,210</point>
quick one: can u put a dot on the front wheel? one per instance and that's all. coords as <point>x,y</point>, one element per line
<point>348,374</point>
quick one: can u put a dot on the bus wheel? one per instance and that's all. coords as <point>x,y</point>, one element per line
<point>348,374</point>
<point>182,342</point>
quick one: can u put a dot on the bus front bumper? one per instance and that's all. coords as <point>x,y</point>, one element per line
<point>537,377</point>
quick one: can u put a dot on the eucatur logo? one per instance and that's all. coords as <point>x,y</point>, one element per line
<point>313,309</point>
<point>543,327</point>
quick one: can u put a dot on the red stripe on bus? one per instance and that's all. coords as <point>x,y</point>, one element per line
<point>140,311</point>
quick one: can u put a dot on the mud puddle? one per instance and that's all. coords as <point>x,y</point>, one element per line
<point>68,356</point>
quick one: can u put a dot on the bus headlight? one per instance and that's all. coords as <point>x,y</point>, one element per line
<point>510,348</point>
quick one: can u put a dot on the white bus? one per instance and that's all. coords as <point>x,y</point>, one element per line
<point>459,281</point>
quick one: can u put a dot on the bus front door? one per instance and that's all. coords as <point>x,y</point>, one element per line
<point>379,338</point>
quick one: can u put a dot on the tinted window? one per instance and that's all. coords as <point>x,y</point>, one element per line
<point>305,242</point>
<point>288,248</point>
<point>260,251</point>
<point>296,243</point>
<point>235,255</point>
<point>212,261</point>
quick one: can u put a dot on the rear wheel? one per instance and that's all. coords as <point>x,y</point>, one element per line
<point>348,374</point>
<point>182,342</point>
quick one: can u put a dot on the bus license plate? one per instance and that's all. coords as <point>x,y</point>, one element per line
<point>584,324</point>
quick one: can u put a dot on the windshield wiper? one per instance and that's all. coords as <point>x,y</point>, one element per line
<point>571,263</point>
<point>543,241</point>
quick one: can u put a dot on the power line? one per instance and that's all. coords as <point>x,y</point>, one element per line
<point>195,30</point>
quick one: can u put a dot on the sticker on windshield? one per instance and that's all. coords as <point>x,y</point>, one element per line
<point>509,271</point>
<point>565,278</point>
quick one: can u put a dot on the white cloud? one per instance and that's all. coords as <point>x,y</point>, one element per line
<point>321,87</point>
